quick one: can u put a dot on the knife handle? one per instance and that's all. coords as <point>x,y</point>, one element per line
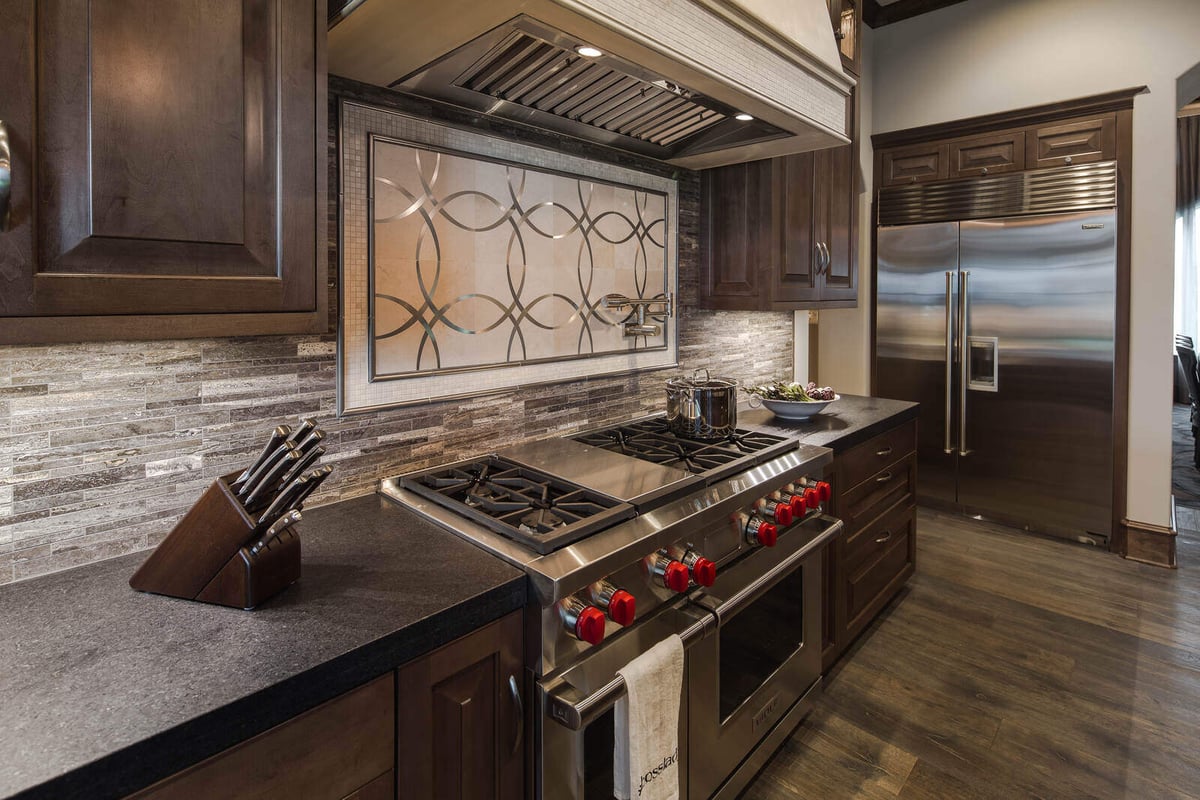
<point>309,459</point>
<point>277,527</point>
<point>306,427</point>
<point>277,438</point>
<point>272,476</point>
<point>314,480</point>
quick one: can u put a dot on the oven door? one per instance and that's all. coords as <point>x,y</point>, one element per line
<point>574,731</point>
<point>747,684</point>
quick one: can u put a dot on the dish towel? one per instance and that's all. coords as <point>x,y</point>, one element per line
<point>646,725</point>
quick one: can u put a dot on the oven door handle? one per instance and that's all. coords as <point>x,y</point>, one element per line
<point>577,714</point>
<point>729,607</point>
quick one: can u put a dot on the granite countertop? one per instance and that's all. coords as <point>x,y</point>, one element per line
<point>104,690</point>
<point>850,420</point>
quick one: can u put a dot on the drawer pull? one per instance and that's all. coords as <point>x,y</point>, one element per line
<point>885,477</point>
<point>887,535</point>
<point>885,452</point>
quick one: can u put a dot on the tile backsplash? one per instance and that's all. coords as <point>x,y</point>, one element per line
<point>104,446</point>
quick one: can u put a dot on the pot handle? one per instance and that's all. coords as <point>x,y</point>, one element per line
<point>755,401</point>
<point>697,371</point>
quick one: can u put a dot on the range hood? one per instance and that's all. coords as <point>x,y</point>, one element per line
<point>696,83</point>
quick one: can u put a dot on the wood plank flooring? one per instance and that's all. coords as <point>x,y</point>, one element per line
<point>1012,666</point>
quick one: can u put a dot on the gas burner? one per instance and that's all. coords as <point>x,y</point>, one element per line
<point>652,440</point>
<point>540,511</point>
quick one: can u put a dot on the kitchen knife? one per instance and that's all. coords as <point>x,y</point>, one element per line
<point>277,438</point>
<point>314,480</point>
<point>309,459</point>
<point>265,487</point>
<point>306,427</point>
<point>312,440</point>
<point>257,475</point>
<point>277,527</point>
<point>284,500</point>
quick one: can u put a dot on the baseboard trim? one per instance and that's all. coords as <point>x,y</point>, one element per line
<point>1151,544</point>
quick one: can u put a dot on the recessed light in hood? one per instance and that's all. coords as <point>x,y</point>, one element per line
<point>670,79</point>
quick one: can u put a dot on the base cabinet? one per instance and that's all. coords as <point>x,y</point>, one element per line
<point>461,723</point>
<point>446,725</point>
<point>874,493</point>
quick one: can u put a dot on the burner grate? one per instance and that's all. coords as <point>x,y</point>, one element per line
<point>652,440</point>
<point>538,510</point>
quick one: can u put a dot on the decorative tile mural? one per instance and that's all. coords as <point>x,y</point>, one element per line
<point>472,264</point>
<point>479,263</point>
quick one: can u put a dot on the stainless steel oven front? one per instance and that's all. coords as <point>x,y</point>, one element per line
<point>753,680</point>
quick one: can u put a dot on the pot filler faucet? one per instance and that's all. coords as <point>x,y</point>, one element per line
<point>638,326</point>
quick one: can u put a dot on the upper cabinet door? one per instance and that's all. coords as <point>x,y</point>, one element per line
<point>847,18</point>
<point>168,159</point>
<point>739,247</point>
<point>1072,143</point>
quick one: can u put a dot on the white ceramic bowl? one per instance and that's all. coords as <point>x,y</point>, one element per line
<point>797,409</point>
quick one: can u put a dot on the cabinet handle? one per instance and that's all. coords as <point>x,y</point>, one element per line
<point>887,535</point>
<point>885,477</point>
<point>884,452</point>
<point>5,176</point>
<point>519,734</point>
<point>1067,160</point>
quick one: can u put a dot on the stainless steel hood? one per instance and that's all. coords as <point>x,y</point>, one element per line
<point>669,82</point>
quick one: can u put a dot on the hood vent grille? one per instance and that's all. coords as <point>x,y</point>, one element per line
<point>530,72</point>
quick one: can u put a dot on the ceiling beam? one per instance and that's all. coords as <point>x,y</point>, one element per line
<point>877,15</point>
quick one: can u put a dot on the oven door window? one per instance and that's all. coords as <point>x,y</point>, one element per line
<point>759,640</point>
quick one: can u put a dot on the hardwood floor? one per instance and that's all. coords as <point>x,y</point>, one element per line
<point>1012,666</point>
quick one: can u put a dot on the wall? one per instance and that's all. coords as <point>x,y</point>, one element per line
<point>844,334</point>
<point>104,446</point>
<point>994,55</point>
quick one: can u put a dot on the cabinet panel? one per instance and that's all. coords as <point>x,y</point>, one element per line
<point>382,788</point>
<point>987,155</point>
<point>866,459</point>
<point>802,221</point>
<point>915,164</point>
<point>169,161</point>
<point>846,16</point>
<point>837,170</point>
<point>1072,143</point>
<point>328,752</point>
<point>460,730</point>
<point>740,248</point>
<point>870,586</point>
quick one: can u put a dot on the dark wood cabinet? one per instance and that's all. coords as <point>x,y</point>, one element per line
<point>987,155</point>
<point>914,164</point>
<point>846,16</point>
<point>461,725</point>
<point>344,748</point>
<point>1077,142</point>
<point>781,234</point>
<point>167,171</point>
<point>874,494</point>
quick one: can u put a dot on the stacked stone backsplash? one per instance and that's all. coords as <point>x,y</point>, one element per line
<point>103,446</point>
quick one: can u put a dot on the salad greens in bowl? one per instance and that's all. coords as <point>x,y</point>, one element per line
<point>791,400</point>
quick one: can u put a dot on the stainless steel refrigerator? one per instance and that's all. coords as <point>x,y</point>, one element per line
<point>996,311</point>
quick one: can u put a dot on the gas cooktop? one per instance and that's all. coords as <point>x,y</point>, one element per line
<point>652,440</point>
<point>532,507</point>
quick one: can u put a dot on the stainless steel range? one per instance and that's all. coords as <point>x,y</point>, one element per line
<point>629,534</point>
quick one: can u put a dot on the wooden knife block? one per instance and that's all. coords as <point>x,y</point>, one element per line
<point>206,557</point>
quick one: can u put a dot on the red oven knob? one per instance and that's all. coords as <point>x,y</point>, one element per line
<point>761,532</point>
<point>622,607</point>
<point>590,625</point>
<point>797,503</point>
<point>825,490</point>
<point>620,604</point>
<point>780,512</point>
<point>583,621</point>
<point>676,576</point>
<point>670,572</point>
<point>705,572</point>
<point>812,497</point>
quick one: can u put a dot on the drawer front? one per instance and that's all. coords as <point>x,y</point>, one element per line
<point>987,155</point>
<point>915,164</point>
<point>891,485</point>
<point>333,750</point>
<point>1072,143</point>
<point>862,461</point>
<point>871,585</point>
<point>869,540</point>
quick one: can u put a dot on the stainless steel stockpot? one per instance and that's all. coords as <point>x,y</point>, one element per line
<point>702,407</point>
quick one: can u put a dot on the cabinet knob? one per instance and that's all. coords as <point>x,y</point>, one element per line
<point>1067,160</point>
<point>983,171</point>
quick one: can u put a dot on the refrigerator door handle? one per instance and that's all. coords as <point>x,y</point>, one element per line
<point>963,357</point>
<point>949,444</point>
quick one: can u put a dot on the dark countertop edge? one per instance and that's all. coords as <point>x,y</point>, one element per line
<point>144,763</point>
<point>860,435</point>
